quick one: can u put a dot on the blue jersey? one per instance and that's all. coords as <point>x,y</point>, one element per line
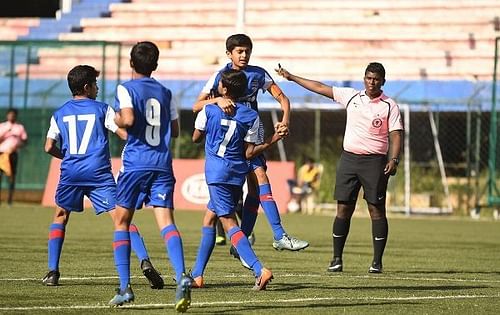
<point>225,160</point>
<point>80,126</point>
<point>148,142</point>
<point>258,79</point>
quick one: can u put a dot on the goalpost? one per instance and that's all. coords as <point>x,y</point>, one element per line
<point>410,203</point>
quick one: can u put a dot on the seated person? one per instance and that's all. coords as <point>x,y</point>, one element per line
<point>308,180</point>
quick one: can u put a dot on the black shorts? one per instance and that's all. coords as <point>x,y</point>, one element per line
<point>355,171</point>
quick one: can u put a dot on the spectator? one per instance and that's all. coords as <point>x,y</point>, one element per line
<point>12,137</point>
<point>306,185</point>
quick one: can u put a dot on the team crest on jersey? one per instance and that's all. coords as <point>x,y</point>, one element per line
<point>377,122</point>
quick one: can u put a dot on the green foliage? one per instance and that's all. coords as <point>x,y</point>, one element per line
<point>184,148</point>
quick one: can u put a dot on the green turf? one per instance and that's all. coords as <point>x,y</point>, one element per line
<point>432,265</point>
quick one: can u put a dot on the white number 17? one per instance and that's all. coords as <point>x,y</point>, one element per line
<point>72,130</point>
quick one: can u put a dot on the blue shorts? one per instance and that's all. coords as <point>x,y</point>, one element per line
<point>224,198</point>
<point>153,188</point>
<point>258,161</point>
<point>70,197</point>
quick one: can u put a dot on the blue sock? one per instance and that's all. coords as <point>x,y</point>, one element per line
<point>207,244</point>
<point>173,244</point>
<point>271,210</point>
<point>240,241</point>
<point>250,211</point>
<point>56,240</point>
<point>137,243</point>
<point>121,250</point>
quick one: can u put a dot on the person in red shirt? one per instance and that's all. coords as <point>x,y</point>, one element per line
<point>12,137</point>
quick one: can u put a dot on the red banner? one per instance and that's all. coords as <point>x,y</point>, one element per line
<point>191,192</point>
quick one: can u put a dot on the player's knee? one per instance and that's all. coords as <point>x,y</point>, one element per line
<point>210,219</point>
<point>345,210</point>
<point>377,212</point>
<point>61,216</point>
<point>261,176</point>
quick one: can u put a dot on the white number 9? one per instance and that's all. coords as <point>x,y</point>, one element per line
<point>153,111</point>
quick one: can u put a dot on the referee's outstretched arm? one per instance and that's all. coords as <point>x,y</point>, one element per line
<point>311,85</point>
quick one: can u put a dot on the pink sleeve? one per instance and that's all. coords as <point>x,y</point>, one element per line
<point>343,95</point>
<point>24,135</point>
<point>395,121</point>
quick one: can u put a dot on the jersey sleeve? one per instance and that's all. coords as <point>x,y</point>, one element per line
<point>252,135</point>
<point>201,120</point>
<point>53,132</point>
<point>109,121</point>
<point>24,134</point>
<point>173,109</point>
<point>342,95</point>
<point>210,84</point>
<point>268,81</point>
<point>395,121</point>
<point>123,99</point>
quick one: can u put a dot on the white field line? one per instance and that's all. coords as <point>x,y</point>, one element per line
<point>286,275</point>
<point>253,302</point>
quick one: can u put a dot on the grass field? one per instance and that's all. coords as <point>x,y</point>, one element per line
<point>432,265</point>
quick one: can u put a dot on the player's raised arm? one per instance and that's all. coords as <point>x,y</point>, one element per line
<point>311,85</point>
<point>279,96</point>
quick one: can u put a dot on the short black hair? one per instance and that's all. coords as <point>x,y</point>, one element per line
<point>144,57</point>
<point>238,40</point>
<point>12,110</point>
<point>235,81</point>
<point>79,76</point>
<point>376,67</point>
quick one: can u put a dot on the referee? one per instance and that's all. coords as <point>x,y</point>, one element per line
<point>371,148</point>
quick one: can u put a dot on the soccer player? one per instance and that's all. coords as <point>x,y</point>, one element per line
<point>80,126</point>
<point>229,141</point>
<point>146,109</point>
<point>239,50</point>
<point>372,143</point>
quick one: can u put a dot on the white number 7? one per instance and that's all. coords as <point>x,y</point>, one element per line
<point>73,137</point>
<point>227,136</point>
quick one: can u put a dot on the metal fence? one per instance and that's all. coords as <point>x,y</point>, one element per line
<point>447,163</point>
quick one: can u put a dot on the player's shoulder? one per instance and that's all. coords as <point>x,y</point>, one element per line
<point>255,69</point>
<point>212,109</point>
<point>246,113</point>
<point>387,99</point>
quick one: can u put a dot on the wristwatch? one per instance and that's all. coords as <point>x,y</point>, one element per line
<point>396,160</point>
